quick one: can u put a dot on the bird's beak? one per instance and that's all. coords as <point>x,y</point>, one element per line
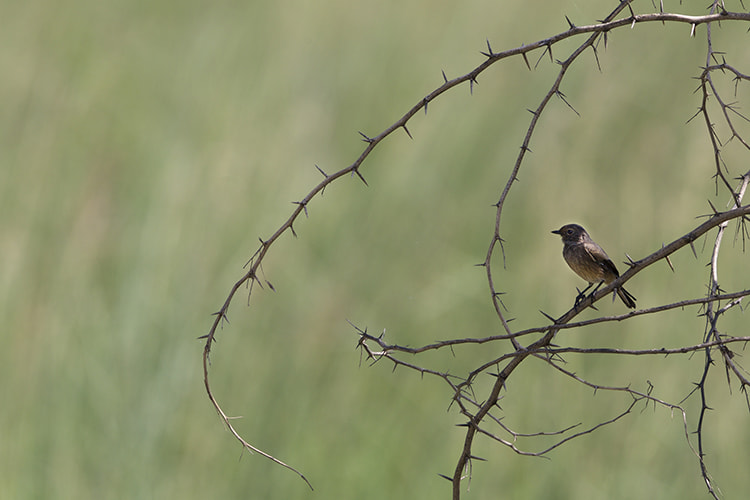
<point>557,231</point>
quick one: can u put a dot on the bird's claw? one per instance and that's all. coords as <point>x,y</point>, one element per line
<point>580,297</point>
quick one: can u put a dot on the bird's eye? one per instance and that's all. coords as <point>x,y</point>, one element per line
<point>569,231</point>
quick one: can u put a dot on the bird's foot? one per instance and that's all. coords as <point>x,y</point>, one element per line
<point>580,297</point>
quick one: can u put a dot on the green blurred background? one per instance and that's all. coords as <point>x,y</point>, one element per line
<point>146,146</point>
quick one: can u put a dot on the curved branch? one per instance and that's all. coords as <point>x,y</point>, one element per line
<point>250,277</point>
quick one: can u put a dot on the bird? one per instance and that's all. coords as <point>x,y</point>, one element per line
<point>589,261</point>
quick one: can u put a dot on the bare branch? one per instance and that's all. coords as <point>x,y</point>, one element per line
<point>481,412</point>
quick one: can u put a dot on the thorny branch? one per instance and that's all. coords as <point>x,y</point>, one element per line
<point>479,413</point>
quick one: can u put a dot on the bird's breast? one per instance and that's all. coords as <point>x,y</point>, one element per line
<point>581,262</point>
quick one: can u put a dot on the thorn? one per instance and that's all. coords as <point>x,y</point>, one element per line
<point>294,233</point>
<point>321,171</point>
<point>368,140</point>
<point>546,48</point>
<point>570,23</point>
<point>553,320</point>
<point>474,457</point>
<point>356,171</point>
<point>251,280</point>
<point>562,96</point>
<point>444,77</point>
<point>425,101</point>
<point>596,56</point>
<point>446,477</point>
<point>716,212</point>
<point>692,247</point>
<point>407,131</point>
<point>270,285</point>
<point>630,261</point>
<point>692,30</point>
<point>303,205</point>
<point>669,262</point>
<point>526,60</point>
<point>489,54</point>
<point>472,82</point>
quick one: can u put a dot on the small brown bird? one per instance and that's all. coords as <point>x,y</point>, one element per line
<point>589,261</point>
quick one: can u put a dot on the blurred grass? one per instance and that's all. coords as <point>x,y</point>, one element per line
<point>146,147</point>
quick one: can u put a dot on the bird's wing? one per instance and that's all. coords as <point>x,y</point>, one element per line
<point>599,256</point>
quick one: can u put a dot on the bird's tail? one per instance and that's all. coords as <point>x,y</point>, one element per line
<point>626,297</point>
